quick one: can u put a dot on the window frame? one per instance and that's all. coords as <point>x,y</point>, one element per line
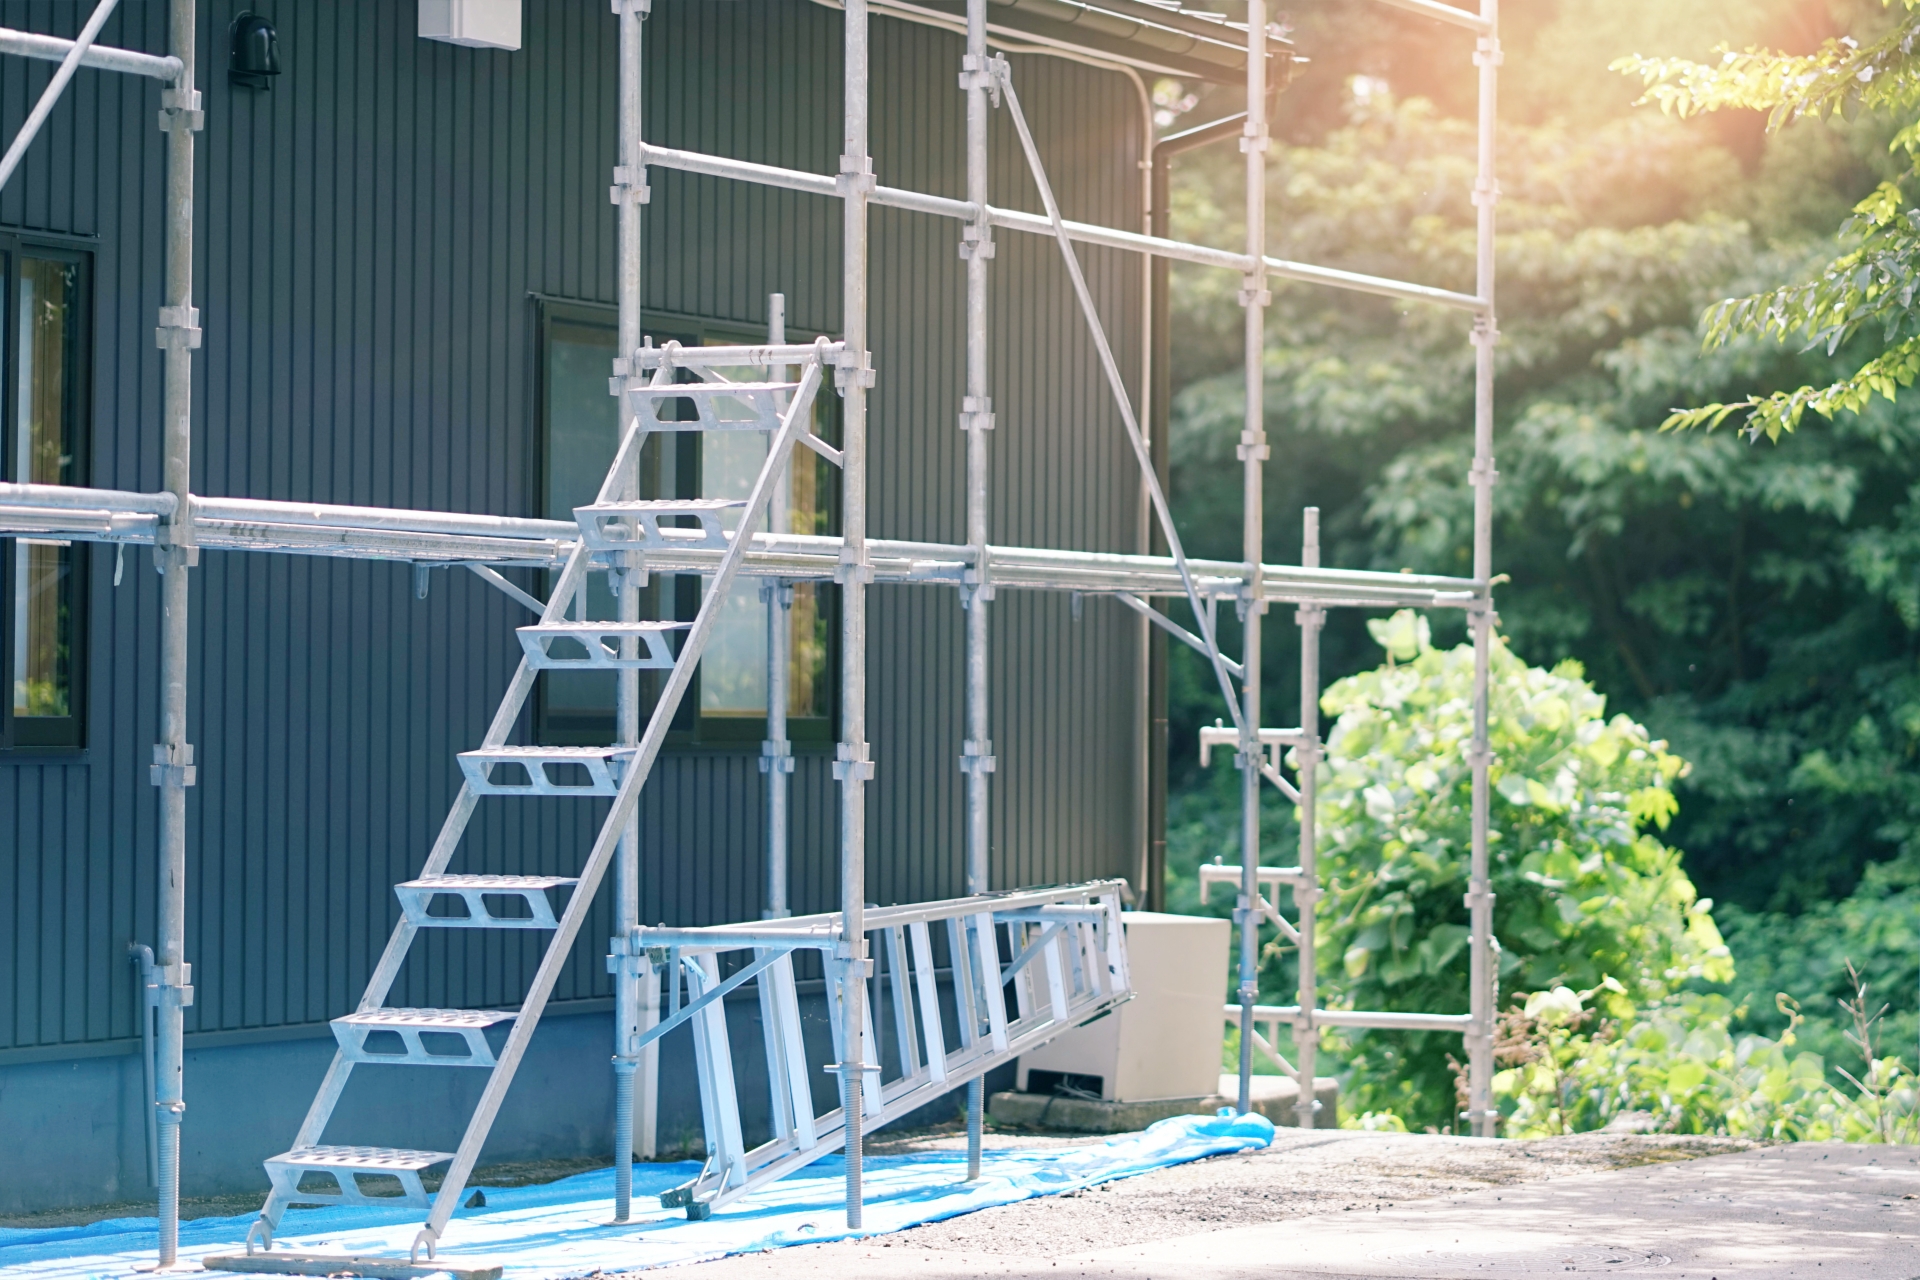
<point>691,731</point>
<point>48,734</point>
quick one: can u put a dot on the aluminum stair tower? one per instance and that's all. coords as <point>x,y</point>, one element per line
<point>616,526</point>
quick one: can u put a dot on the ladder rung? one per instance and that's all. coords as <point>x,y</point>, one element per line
<point>602,765</point>
<point>468,1024</point>
<point>599,643</point>
<point>626,526</point>
<point>473,890</point>
<point>342,1163</point>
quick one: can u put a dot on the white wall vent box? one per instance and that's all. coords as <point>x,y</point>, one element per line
<point>1163,1043</point>
<point>478,24</point>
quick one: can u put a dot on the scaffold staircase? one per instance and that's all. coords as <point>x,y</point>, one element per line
<point>616,526</point>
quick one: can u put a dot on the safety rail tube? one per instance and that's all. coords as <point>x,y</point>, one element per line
<point>1080,232</point>
<point>109,515</point>
<point>27,44</point>
<point>75,498</point>
<point>1444,13</point>
<point>1375,1020</point>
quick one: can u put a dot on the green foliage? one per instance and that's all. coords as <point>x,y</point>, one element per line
<point>1754,607</point>
<point>1676,1066</point>
<point>1587,894</point>
<point>1876,930</point>
<point>1870,287</point>
<point>1757,608</point>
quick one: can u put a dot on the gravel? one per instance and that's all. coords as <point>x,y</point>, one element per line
<point>1301,1174</point>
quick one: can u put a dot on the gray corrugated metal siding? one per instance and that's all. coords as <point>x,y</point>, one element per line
<point>371,230</point>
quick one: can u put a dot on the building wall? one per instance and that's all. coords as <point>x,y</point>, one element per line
<point>372,232</point>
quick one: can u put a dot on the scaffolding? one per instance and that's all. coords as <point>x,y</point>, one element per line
<point>1066,932</point>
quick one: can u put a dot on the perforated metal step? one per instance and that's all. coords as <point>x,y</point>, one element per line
<point>595,770</point>
<point>409,1025</point>
<point>342,1164</point>
<point>597,645</point>
<point>415,895</point>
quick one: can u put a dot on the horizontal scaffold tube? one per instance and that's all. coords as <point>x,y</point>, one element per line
<point>26,44</point>
<point>823,930</point>
<point>1444,13</point>
<point>1376,1020</point>
<point>383,533</point>
<point>1036,224</point>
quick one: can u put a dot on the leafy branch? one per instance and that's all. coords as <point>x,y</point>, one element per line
<point>1871,285</point>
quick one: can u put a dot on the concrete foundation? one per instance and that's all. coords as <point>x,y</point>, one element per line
<point>1273,1097</point>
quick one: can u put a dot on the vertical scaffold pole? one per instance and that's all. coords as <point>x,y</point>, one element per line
<point>854,767</point>
<point>1253,453</point>
<point>175,552</point>
<point>1306,894</point>
<point>776,753</point>
<point>976,419</point>
<point>1480,1110</point>
<point>631,972</point>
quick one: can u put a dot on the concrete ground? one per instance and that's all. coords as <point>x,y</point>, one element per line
<point>1333,1204</point>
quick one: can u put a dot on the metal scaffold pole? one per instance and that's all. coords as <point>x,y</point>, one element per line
<point>854,767</point>
<point>633,977</point>
<point>175,553</point>
<point>1480,1109</point>
<point>1254,298</point>
<point>976,419</point>
<point>776,753</point>
<point>1306,891</point>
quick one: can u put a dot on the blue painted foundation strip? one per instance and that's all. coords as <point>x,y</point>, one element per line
<point>563,1229</point>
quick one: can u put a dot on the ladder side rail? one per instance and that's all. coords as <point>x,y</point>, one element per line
<point>725,1146</point>
<point>614,825</point>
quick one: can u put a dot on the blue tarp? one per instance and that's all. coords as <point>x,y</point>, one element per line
<point>564,1229</point>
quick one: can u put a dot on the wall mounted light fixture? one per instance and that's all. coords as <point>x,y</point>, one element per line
<point>255,56</point>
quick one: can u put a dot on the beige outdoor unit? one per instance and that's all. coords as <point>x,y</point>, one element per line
<point>1163,1043</point>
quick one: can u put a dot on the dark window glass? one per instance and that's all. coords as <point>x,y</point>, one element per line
<point>728,703</point>
<point>45,336</point>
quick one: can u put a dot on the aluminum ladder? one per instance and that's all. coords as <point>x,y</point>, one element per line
<point>1067,966</point>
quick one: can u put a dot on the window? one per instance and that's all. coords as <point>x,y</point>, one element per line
<point>580,425</point>
<point>42,431</point>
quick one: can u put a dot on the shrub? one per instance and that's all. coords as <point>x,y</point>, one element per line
<point>1588,898</point>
